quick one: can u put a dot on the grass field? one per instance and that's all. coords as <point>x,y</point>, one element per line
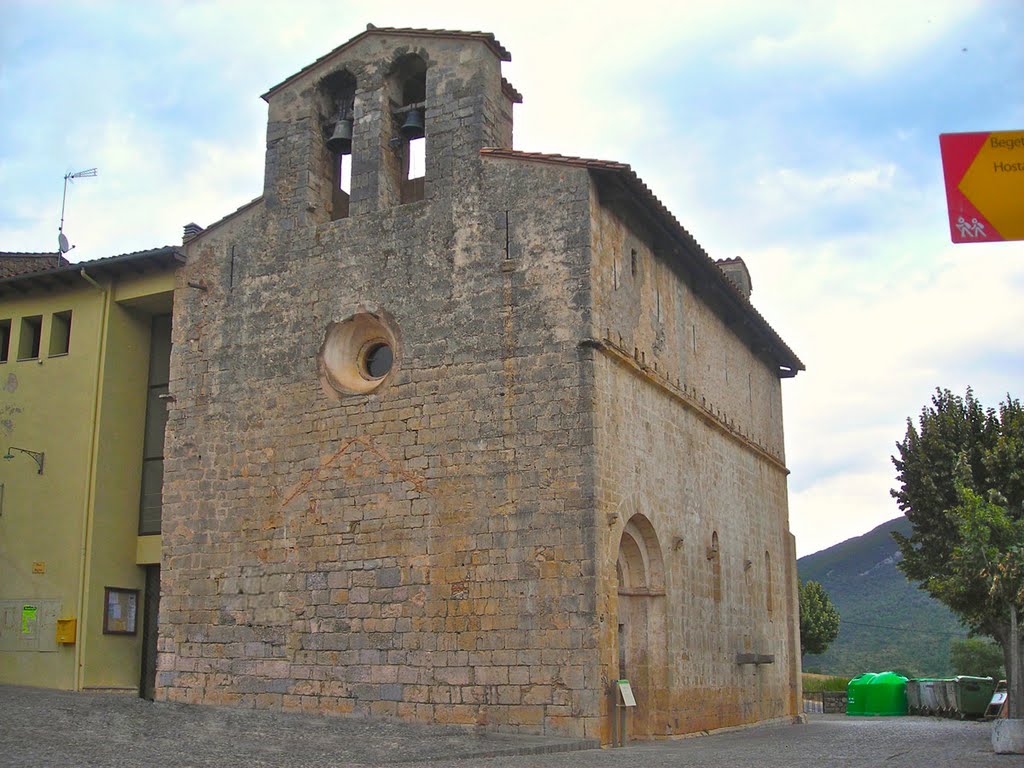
<point>815,683</point>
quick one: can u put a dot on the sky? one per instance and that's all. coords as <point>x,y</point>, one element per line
<point>801,136</point>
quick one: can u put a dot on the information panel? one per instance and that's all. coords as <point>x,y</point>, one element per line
<point>28,624</point>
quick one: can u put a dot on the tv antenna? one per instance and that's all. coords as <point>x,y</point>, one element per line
<point>62,241</point>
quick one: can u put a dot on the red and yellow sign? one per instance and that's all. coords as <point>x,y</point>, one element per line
<point>984,185</point>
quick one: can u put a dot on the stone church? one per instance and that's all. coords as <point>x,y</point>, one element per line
<point>464,434</point>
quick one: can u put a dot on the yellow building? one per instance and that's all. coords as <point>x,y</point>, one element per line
<point>84,352</point>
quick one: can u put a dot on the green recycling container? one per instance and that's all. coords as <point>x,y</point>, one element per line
<point>886,695</point>
<point>856,693</point>
<point>973,695</point>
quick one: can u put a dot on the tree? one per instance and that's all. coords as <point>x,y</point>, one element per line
<point>819,619</point>
<point>961,476</point>
<point>976,656</point>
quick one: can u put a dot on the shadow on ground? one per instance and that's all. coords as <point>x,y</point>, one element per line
<point>44,727</point>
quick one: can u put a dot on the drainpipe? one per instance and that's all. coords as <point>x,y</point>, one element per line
<point>90,499</point>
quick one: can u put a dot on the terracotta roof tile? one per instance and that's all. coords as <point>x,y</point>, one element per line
<point>21,262</point>
<point>64,275</point>
<point>510,91</point>
<point>786,357</point>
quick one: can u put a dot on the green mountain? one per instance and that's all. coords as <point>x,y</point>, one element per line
<point>886,622</point>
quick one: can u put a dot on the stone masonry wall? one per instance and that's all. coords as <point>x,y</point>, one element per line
<point>696,453</point>
<point>426,551</point>
<point>643,300</point>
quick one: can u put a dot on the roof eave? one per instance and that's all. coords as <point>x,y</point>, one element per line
<point>787,360</point>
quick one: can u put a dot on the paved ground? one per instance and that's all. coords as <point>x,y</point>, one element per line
<point>56,728</point>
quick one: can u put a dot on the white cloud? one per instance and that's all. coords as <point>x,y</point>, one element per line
<point>147,190</point>
<point>840,508</point>
<point>866,37</point>
<point>801,188</point>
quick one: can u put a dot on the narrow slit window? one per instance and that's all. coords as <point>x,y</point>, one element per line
<point>60,333</point>
<point>31,335</point>
<point>716,568</point>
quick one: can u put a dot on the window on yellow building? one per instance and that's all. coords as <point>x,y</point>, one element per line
<point>5,340</point>
<point>60,333</point>
<point>31,335</point>
<point>151,497</point>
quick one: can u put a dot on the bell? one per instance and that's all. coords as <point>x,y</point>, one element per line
<point>412,127</point>
<point>341,140</point>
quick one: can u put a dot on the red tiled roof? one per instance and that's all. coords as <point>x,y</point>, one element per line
<point>67,273</point>
<point>30,255</point>
<point>785,356</point>
<point>487,38</point>
<point>20,262</point>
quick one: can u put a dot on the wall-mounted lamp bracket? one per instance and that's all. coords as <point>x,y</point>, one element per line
<point>37,456</point>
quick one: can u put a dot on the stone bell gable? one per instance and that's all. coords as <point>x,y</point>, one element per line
<point>451,81</point>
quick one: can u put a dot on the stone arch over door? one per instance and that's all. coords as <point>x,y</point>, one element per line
<point>642,638</point>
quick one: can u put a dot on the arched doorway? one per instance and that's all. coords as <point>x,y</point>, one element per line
<point>641,623</point>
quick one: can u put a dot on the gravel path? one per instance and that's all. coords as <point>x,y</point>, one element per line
<point>57,728</point>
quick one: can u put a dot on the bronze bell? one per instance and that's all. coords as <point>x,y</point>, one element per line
<point>341,139</point>
<point>412,127</point>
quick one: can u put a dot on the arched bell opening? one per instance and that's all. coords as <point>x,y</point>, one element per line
<point>408,87</point>
<point>337,100</point>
